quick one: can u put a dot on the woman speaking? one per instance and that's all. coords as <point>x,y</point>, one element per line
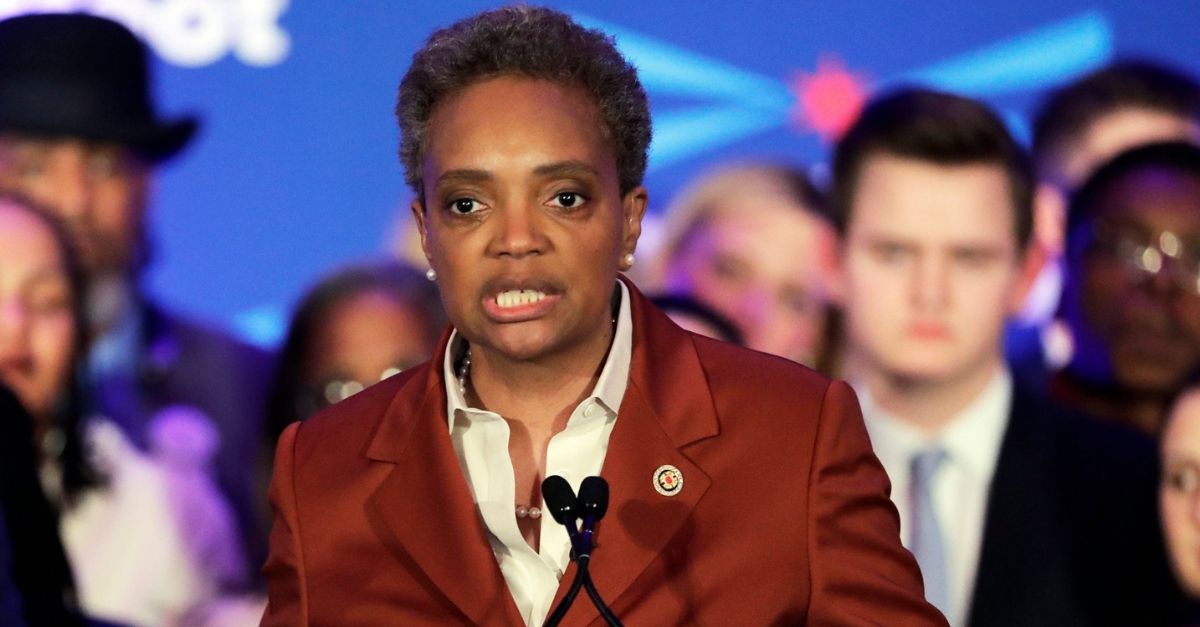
<point>743,487</point>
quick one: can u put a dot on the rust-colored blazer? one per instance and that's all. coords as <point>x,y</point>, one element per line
<point>783,518</point>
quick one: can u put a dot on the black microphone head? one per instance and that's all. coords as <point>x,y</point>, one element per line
<point>560,500</point>
<point>593,497</point>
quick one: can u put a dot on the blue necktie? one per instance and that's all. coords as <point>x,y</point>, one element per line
<point>928,544</point>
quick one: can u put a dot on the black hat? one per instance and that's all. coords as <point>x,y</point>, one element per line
<point>82,76</point>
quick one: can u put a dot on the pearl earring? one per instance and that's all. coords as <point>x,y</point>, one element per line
<point>627,261</point>
<point>431,274</point>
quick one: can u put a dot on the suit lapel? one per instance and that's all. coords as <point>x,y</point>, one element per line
<point>667,406</point>
<point>1017,581</point>
<point>424,507</point>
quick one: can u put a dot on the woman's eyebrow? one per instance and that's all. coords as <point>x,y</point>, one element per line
<point>570,167</point>
<point>464,175</point>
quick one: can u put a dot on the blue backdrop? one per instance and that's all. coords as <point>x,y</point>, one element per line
<point>295,170</point>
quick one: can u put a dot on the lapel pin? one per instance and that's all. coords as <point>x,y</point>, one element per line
<point>668,480</point>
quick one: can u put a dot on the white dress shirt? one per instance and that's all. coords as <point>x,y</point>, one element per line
<point>961,484</point>
<point>480,439</point>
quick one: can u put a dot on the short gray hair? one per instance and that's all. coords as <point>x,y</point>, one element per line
<point>533,42</point>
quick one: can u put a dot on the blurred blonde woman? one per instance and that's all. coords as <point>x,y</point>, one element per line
<point>751,242</point>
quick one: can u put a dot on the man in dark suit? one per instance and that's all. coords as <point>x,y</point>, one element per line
<point>79,134</point>
<point>743,489</point>
<point>1019,514</point>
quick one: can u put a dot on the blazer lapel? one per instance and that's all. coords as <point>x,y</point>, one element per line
<point>667,406</point>
<point>1020,572</point>
<point>424,509</point>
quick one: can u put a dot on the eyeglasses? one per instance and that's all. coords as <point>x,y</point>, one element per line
<point>322,395</point>
<point>1143,254</point>
<point>1184,479</point>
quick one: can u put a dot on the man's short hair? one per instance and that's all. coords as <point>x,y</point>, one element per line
<point>1175,156</point>
<point>1070,111</point>
<point>935,127</point>
<point>533,42</point>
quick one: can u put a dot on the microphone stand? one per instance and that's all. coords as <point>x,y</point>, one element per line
<point>581,579</point>
<point>566,509</point>
<point>605,613</point>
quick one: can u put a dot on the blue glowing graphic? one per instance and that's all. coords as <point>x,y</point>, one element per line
<point>1030,61</point>
<point>744,103</point>
<point>669,70</point>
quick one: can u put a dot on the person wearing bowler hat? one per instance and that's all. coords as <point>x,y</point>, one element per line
<point>79,133</point>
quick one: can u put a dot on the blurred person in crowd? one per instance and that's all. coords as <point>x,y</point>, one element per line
<point>356,327</point>
<point>138,532</point>
<point>1131,300</point>
<point>417,501</point>
<point>1077,127</point>
<point>1122,105</point>
<point>750,242</point>
<point>1179,492</point>
<point>1090,120</point>
<point>696,317</point>
<point>94,166</point>
<point>1018,513</point>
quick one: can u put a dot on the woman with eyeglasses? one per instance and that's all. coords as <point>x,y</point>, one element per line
<point>356,327</point>
<point>1132,295</point>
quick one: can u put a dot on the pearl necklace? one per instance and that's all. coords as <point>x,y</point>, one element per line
<point>522,511</point>
<point>463,371</point>
<point>532,513</point>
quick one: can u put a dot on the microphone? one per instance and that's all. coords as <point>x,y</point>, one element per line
<point>566,509</point>
<point>593,504</point>
<point>593,501</point>
<point>560,499</point>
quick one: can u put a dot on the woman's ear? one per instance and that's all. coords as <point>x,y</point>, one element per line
<point>418,212</point>
<point>633,206</point>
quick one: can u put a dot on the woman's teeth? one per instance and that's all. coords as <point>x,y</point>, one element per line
<point>516,298</point>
